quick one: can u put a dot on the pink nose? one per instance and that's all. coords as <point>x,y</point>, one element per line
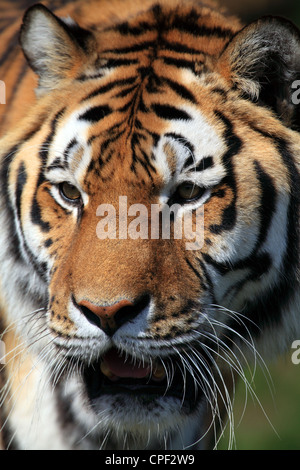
<point>106,313</point>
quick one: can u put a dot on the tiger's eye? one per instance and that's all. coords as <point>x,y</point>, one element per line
<point>69,191</point>
<point>189,191</point>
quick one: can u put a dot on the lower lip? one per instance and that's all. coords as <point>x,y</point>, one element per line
<point>98,385</point>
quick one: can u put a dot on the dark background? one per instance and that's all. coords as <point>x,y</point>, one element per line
<point>249,10</point>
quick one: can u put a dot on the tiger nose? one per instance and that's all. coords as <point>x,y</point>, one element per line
<point>105,317</point>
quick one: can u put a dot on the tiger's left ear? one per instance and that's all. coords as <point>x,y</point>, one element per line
<point>263,62</point>
<point>55,49</point>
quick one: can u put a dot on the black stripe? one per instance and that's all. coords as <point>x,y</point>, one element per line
<point>111,139</point>
<point>109,86</point>
<point>21,181</point>
<point>222,268</point>
<point>168,112</point>
<point>126,30</point>
<point>135,145</point>
<point>115,130</point>
<point>98,165</point>
<point>183,141</point>
<point>57,163</point>
<point>119,62</point>
<point>219,91</point>
<point>196,272</point>
<point>156,139</point>
<point>142,46</point>
<point>180,90</point>
<point>147,160</point>
<point>125,92</point>
<point>268,202</point>
<point>142,106</point>
<point>127,106</point>
<point>145,166</point>
<point>234,145</point>
<point>208,280</point>
<point>220,193</point>
<point>291,258</point>
<point>48,243</point>
<point>35,213</point>
<point>63,405</point>
<point>259,264</point>
<point>73,142</point>
<point>182,48</point>
<point>190,161</point>
<point>96,113</point>
<point>206,162</point>
<point>153,83</point>
<point>188,24</point>
<point>14,246</point>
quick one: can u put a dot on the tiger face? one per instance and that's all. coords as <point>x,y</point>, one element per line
<point>140,335</point>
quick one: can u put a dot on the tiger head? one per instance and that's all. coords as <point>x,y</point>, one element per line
<point>151,214</point>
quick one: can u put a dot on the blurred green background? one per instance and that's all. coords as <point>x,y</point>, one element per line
<point>273,423</point>
<point>278,426</point>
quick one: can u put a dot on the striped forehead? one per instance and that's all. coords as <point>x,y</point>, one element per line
<point>70,152</point>
<point>189,143</point>
<point>190,147</point>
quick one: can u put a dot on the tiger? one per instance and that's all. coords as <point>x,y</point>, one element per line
<point>118,342</point>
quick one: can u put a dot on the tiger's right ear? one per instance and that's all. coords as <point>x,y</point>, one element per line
<point>54,49</point>
<point>262,61</point>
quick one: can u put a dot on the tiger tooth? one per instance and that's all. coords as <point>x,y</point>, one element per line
<point>159,372</point>
<point>106,370</point>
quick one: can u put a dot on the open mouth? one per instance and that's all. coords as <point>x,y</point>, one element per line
<point>119,373</point>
